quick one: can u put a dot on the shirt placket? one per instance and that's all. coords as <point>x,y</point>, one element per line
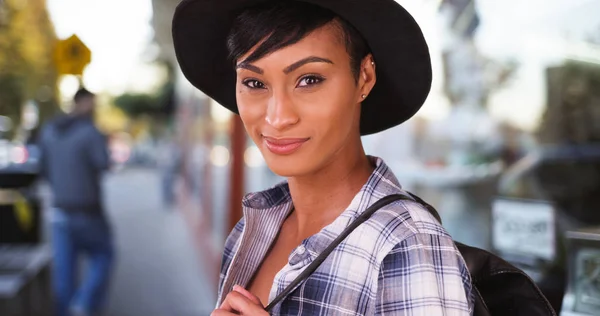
<point>298,260</point>
<point>260,225</point>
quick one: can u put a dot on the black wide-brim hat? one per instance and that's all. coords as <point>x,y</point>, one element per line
<point>200,29</point>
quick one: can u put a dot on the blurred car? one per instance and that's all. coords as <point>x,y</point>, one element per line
<point>548,193</point>
<point>19,164</point>
<point>20,216</point>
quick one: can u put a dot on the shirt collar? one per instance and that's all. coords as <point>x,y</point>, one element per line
<point>380,183</point>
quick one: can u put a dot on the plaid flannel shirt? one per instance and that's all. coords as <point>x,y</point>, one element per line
<point>399,262</point>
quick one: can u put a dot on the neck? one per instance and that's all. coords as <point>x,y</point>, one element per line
<point>82,113</point>
<point>319,198</point>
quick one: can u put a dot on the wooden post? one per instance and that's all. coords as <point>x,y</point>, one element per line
<point>206,196</point>
<point>236,176</point>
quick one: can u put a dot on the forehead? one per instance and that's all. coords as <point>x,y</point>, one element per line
<point>326,41</point>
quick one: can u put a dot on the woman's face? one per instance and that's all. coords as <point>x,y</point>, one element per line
<point>301,104</point>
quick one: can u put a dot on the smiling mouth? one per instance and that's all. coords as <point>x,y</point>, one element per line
<point>283,146</point>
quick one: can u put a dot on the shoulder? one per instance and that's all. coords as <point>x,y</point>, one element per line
<point>52,122</point>
<point>402,227</point>
<point>93,132</point>
<point>404,218</point>
<point>90,126</point>
<point>420,251</point>
<point>49,128</point>
<point>407,226</point>
<point>425,266</point>
<point>409,233</point>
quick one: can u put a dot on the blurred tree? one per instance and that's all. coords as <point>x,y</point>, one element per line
<point>158,106</point>
<point>27,72</point>
<point>136,105</point>
<point>151,111</point>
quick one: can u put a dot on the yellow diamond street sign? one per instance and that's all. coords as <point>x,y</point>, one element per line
<point>71,56</point>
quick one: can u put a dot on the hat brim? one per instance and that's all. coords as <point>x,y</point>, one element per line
<point>200,29</point>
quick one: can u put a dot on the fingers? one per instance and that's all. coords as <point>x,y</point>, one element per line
<point>253,298</point>
<point>238,302</point>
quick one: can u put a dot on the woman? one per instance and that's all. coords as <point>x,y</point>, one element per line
<point>308,78</point>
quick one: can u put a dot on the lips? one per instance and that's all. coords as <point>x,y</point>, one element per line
<point>283,146</point>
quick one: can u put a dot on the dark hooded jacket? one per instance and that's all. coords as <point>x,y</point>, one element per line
<point>74,156</point>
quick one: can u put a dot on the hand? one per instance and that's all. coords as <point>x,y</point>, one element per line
<point>240,302</point>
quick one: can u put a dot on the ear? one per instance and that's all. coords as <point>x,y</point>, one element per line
<point>367,77</point>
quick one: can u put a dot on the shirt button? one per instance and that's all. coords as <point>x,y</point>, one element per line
<point>301,250</point>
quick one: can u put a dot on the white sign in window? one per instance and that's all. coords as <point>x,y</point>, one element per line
<point>524,227</point>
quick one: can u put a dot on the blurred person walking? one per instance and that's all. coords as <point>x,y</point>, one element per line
<point>74,156</point>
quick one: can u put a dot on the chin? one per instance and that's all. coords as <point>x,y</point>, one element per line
<point>289,166</point>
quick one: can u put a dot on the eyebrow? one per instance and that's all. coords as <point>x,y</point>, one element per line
<point>302,62</point>
<point>250,67</point>
<point>288,69</point>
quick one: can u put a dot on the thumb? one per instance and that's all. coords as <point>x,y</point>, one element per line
<point>253,298</point>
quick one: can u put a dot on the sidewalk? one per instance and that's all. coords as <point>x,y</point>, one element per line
<point>158,271</point>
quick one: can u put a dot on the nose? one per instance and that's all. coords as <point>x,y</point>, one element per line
<point>280,111</point>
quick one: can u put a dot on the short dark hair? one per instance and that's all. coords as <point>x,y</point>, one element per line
<point>283,23</point>
<point>82,93</point>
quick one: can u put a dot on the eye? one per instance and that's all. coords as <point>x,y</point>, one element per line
<point>253,84</point>
<point>310,80</point>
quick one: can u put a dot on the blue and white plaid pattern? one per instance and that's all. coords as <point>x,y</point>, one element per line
<point>399,262</point>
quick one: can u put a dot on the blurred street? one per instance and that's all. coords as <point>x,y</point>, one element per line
<point>157,269</point>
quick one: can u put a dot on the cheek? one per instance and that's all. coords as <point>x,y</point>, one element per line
<point>251,111</point>
<point>334,111</point>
